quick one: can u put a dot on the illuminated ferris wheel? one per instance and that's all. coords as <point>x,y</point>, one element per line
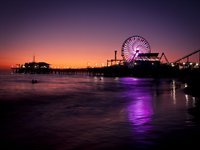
<point>133,46</point>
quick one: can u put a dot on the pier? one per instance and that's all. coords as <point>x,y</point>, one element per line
<point>136,60</point>
<point>140,67</point>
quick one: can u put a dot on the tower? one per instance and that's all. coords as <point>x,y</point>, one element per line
<point>115,55</point>
<point>33,58</point>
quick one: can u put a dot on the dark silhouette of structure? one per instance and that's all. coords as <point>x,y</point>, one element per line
<point>114,61</point>
<point>137,60</point>
<point>188,56</point>
<point>32,67</point>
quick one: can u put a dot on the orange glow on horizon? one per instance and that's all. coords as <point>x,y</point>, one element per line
<point>71,54</point>
<point>59,59</point>
<point>62,59</point>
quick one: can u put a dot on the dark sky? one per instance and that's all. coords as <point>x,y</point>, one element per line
<point>76,32</point>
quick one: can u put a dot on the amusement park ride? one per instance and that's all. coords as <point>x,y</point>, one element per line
<point>136,51</point>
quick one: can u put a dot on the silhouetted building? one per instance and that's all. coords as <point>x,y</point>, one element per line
<point>36,65</point>
<point>33,67</point>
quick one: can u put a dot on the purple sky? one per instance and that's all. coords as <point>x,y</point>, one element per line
<point>76,32</point>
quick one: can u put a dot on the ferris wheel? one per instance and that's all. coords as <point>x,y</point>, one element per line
<point>133,46</point>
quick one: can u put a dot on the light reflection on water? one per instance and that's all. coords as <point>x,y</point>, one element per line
<point>157,108</point>
<point>140,113</point>
<point>73,112</point>
<point>140,109</point>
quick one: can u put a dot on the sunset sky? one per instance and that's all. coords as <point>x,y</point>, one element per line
<point>73,33</point>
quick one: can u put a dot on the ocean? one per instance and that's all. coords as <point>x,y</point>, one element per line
<point>72,112</point>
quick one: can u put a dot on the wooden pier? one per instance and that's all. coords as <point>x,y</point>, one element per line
<point>163,70</point>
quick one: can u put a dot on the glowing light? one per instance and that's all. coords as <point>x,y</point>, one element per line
<point>140,112</point>
<point>185,85</point>
<point>140,109</point>
<point>132,46</point>
<point>186,100</point>
<point>173,91</point>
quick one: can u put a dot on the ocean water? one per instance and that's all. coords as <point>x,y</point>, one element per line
<point>66,112</point>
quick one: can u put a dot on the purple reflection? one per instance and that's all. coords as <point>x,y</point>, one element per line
<point>140,109</point>
<point>140,112</point>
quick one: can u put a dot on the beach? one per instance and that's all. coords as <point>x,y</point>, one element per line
<point>63,112</point>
